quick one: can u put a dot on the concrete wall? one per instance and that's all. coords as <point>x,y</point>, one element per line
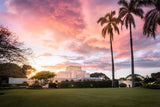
<point>18,80</point>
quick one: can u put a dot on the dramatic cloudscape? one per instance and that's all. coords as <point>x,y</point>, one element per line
<point>65,32</point>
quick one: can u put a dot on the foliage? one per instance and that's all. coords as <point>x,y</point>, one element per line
<point>52,85</point>
<point>122,78</point>
<point>34,87</point>
<point>128,9</point>
<point>86,84</point>
<point>23,84</point>
<point>28,69</point>
<point>155,75</point>
<point>148,80</point>
<point>44,76</point>
<point>152,17</point>
<point>152,86</point>
<point>11,70</point>
<point>122,85</point>
<point>11,50</point>
<point>5,85</point>
<point>152,82</point>
<point>138,84</point>
<point>102,75</point>
<point>137,77</point>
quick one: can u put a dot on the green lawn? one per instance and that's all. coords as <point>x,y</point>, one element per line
<point>89,97</point>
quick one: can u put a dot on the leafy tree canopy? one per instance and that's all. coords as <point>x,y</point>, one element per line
<point>11,50</point>
<point>102,75</point>
<point>137,77</point>
<point>11,70</point>
<point>44,75</point>
<point>28,69</point>
<point>16,71</point>
<point>155,75</point>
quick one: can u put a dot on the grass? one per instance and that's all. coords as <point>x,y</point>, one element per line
<point>89,97</point>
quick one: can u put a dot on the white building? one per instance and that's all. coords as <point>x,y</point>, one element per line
<point>74,73</point>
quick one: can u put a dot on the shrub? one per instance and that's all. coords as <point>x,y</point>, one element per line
<point>138,84</point>
<point>52,85</point>
<point>86,84</point>
<point>23,84</point>
<point>152,86</point>
<point>122,85</point>
<point>5,85</point>
<point>34,87</point>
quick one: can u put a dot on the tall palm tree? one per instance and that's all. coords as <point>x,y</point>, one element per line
<point>126,13</point>
<point>152,18</point>
<point>109,23</point>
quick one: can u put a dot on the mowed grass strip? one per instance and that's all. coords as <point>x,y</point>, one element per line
<point>85,97</point>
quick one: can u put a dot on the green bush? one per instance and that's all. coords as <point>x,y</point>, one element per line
<point>23,84</point>
<point>122,85</point>
<point>152,86</point>
<point>5,85</point>
<point>86,84</point>
<point>52,85</point>
<point>34,87</point>
<point>138,84</point>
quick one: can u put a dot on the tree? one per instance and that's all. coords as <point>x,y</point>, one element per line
<point>28,69</point>
<point>109,23</point>
<point>11,70</point>
<point>136,76</point>
<point>43,76</point>
<point>155,75</point>
<point>101,75</point>
<point>152,18</point>
<point>126,14</point>
<point>11,50</point>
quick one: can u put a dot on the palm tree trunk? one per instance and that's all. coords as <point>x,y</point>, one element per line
<point>113,84</point>
<point>132,56</point>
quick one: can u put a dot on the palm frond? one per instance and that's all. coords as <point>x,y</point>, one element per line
<point>123,2</point>
<point>138,12</point>
<point>104,30</point>
<point>113,13</point>
<point>122,12</point>
<point>145,2</point>
<point>115,28</point>
<point>102,21</point>
<point>150,24</point>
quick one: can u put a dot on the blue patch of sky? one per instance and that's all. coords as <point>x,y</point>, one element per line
<point>3,7</point>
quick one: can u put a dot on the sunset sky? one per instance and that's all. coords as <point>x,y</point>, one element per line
<point>65,32</point>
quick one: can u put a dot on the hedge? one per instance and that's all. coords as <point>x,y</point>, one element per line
<point>86,84</point>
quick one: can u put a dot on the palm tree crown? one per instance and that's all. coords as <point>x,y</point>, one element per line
<point>129,8</point>
<point>152,18</point>
<point>110,24</point>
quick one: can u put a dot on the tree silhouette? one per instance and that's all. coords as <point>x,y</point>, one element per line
<point>109,23</point>
<point>152,18</point>
<point>126,14</point>
<point>11,50</point>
